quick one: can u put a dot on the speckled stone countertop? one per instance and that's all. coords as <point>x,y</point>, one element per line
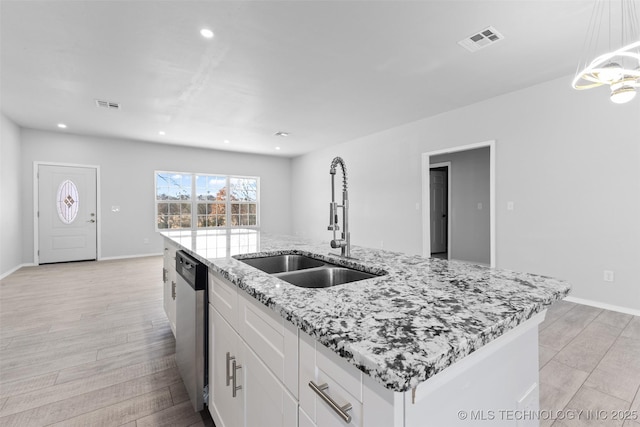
<point>401,328</point>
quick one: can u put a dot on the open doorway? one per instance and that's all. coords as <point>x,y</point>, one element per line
<point>439,178</point>
<point>466,235</point>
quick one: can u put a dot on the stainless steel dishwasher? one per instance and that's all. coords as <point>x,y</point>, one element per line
<point>191,326</point>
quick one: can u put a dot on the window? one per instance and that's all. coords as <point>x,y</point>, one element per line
<point>198,201</point>
<point>67,202</point>
<point>173,200</point>
<point>244,201</point>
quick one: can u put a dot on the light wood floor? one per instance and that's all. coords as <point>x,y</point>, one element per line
<point>88,344</point>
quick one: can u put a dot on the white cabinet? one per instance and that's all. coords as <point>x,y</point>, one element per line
<point>169,278</point>
<point>272,365</point>
<point>266,401</point>
<point>273,339</point>
<point>246,387</point>
<point>224,404</point>
<point>336,396</point>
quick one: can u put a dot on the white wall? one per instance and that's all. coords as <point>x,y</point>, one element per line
<point>10,218</point>
<point>470,238</point>
<point>127,180</point>
<point>570,162</point>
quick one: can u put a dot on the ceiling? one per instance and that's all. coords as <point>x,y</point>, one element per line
<point>324,71</point>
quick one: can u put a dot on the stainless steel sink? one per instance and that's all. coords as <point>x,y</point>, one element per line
<point>282,263</point>
<point>325,277</point>
<point>308,272</point>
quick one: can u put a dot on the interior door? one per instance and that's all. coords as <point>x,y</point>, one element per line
<point>438,216</point>
<point>67,202</point>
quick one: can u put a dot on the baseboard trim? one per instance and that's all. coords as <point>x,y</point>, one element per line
<point>128,256</point>
<point>16,268</point>
<point>619,309</point>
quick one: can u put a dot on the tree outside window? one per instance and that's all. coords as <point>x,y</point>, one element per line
<point>187,201</point>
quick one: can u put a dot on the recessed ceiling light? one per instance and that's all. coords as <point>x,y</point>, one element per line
<point>206,33</point>
<point>281,133</point>
<point>277,148</point>
<point>162,133</point>
<point>226,141</point>
<point>62,126</point>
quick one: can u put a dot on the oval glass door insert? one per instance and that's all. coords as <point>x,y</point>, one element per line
<point>67,201</point>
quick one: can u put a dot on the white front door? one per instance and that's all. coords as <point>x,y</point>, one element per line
<point>67,211</point>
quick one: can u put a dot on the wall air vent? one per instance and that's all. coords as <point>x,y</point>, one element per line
<point>107,104</point>
<point>481,39</point>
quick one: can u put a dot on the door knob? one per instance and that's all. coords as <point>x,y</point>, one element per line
<point>92,220</point>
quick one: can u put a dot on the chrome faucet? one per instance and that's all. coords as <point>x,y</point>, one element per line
<point>344,243</point>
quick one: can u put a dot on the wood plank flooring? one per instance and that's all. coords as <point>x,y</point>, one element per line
<point>88,344</point>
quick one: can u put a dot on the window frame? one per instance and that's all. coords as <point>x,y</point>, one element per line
<point>195,202</point>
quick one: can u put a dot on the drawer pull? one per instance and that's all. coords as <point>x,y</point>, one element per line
<point>234,387</point>
<point>340,410</point>
<point>229,359</point>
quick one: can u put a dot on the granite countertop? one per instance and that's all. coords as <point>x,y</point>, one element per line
<point>401,328</point>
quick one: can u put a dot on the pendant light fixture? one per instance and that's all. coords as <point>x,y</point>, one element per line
<point>614,30</point>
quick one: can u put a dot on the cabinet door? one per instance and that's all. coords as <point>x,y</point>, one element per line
<point>304,420</point>
<point>170,277</point>
<point>266,400</point>
<point>225,409</point>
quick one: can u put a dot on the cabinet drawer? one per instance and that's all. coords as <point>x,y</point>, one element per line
<point>344,381</point>
<point>341,371</point>
<point>224,297</point>
<point>270,336</point>
<point>326,416</point>
<point>304,420</point>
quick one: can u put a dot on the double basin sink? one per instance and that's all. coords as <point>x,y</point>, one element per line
<point>308,272</point>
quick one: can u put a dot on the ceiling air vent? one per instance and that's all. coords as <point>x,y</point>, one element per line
<point>107,104</point>
<point>481,39</point>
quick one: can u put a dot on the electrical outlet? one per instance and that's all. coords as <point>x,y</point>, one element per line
<point>608,276</point>
<point>146,241</point>
<point>479,206</point>
<point>509,206</point>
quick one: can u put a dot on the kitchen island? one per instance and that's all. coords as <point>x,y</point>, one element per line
<point>432,340</point>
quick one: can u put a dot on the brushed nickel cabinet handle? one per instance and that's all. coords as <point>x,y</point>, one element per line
<point>234,387</point>
<point>340,410</point>
<point>173,289</point>
<point>229,359</point>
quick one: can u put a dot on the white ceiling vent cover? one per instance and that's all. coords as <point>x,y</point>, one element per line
<point>107,104</point>
<point>481,39</point>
